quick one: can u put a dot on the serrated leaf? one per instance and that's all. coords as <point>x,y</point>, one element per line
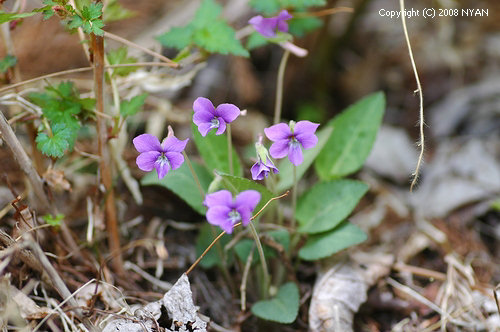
<point>237,184</point>
<point>92,12</point>
<point>56,145</point>
<point>96,28</point>
<point>7,17</point>
<point>326,204</point>
<point>181,183</point>
<point>177,37</point>
<point>8,62</point>
<point>354,133</point>
<point>208,12</point>
<point>132,106</point>
<point>256,40</point>
<point>213,150</point>
<point>219,37</point>
<point>301,26</point>
<point>75,22</point>
<point>328,243</point>
<point>283,308</point>
<point>214,256</point>
<point>286,167</point>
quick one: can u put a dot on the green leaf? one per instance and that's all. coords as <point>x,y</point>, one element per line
<point>75,22</point>
<point>266,6</point>
<point>8,62</point>
<point>326,244</point>
<point>237,184</point>
<point>132,106</point>
<point>96,28</point>
<point>219,37</point>
<point>177,37</point>
<point>326,204</point>
<point>7,17</point>
<point>256,40</point>
<point>286,167</point>
<point>283,308</point>
<point>243,247</point>
<point>114,11</point>
<point>181,183</point>
<point>92,12</point>
<point>214,256</point>
<point>213,150</point>
<point>303,3</point>
<point>56,145</point>
<point>301,26</point>
<point>120,56</point>
<point>207,13</point>
<point>354,133</point>
<point>53,221</point>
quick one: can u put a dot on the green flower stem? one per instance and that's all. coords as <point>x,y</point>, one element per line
<point>229,149</point>
<point>267,278</point>
<point>195,177</point>
<point>279,87</point>
<point>294,197</point>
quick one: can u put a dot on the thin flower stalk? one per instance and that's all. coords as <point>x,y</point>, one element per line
<point>195,177</point>
<point>230,149</point>
<point>267,278</point>
<point>279,86</point>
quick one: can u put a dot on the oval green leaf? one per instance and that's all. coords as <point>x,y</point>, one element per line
<point>326,204</point>
<point>354,133</point>
<point>326,244</point>
<point>283,308</point>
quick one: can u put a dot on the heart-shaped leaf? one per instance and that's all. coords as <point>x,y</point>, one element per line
<point>283,308</point>
<point>236,184</point>
<point>326,244</point>
<point>326,204</point>
<point>181,183</point>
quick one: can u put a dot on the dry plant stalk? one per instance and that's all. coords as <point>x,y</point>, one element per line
<point>103,151</point>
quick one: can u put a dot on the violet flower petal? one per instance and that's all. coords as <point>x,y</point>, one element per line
<point>204,128</point>
<point>295,154</point>
<point>228,112</point>
<point>304,133</point>
<point>264,26</point>
<point>248,199</point>
<point>278,132</point>
<point>221,197</point>
<point>271,166</point>
<point>219,216</point>
<point>175,159</point>
<point>245,215</point>
<point>146,142</point>
<point>222,126</point>
<point>201,117</point>
<point>173,144</point>
<point>146,160</point>
<point>203,104</point>
<point>281,18</point>
<point>259,170</point>
<point>162,168</point>
<point>279,149</point>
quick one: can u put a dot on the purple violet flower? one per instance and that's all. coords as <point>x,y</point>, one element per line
<point>207,117</point>
<point>164,157</point>
<point>269,27</point>
<point>225,212</point>
<point>264,164</point>
<point>290,139</point>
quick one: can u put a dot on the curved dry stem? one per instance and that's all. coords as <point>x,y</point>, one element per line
<point>421,142</point>
<point>325,12</point>
<point>83,69</point>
